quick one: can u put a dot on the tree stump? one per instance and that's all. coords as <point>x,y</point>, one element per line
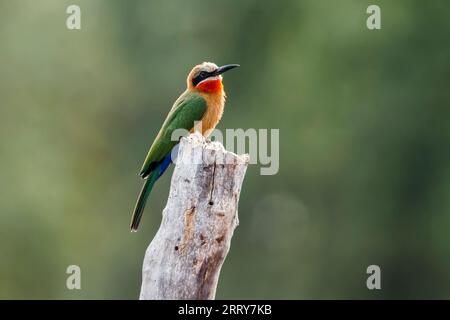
<point>185,257</point>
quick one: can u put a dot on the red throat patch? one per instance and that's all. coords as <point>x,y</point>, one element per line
<point>211,86</point>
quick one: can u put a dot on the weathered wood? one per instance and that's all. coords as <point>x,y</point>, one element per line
<point>185,257</point>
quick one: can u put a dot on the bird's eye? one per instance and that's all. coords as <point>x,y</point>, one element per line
<point>202,75</point>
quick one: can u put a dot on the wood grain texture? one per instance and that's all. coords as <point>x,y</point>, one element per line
<point>185,257</point>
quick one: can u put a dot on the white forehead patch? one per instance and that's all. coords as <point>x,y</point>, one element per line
<point>208,66</point>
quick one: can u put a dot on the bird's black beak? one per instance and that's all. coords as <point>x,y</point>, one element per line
<point>225,68</point>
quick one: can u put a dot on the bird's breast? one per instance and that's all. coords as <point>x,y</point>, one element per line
<point>215,105</point>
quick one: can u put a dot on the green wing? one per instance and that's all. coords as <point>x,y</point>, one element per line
<point>190,107</point>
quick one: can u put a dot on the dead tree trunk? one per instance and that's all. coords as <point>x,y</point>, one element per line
<point>184,259</point>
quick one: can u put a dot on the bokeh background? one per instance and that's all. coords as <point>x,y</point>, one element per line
<point>364,153</point>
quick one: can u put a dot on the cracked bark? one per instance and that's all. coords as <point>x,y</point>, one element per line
<point>184,259</point>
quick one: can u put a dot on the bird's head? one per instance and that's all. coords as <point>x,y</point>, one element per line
<point>207,77</point>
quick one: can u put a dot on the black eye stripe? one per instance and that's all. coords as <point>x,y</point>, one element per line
<point>202,75</point>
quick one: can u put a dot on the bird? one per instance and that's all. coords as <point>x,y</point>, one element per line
<point>198,108</point>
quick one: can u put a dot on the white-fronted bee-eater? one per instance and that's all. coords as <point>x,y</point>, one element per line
<point>202,103</point>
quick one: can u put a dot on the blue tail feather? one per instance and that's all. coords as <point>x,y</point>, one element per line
<point>146,189</point>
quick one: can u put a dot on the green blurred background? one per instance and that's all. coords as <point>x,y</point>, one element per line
<point>364,153</point>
